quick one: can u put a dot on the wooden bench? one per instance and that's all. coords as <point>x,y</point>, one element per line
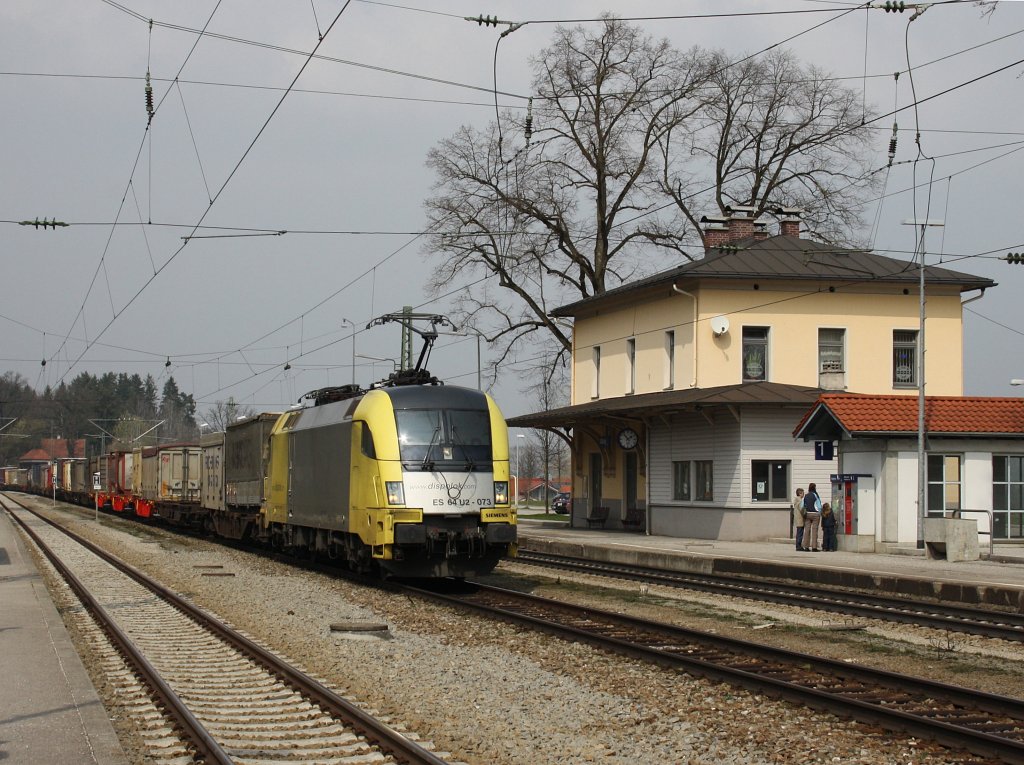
<point>636,518</point>
<point>597,517</point>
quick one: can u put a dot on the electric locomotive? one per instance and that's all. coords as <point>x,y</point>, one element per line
<point>411,480</point>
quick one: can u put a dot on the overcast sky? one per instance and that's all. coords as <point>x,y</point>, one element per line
<point>344,152</point>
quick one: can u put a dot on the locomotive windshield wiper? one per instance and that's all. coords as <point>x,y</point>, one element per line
<point>430,447</point>
<point>470,464</point>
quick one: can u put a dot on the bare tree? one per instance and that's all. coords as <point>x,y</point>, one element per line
<point>223,413</point>
<point>563,209</point>
<point>632,142</point>
<point>775,134</point>
<point>552,448</point>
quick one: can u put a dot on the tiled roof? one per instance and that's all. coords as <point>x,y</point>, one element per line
<point>863,415</point>
<point>36,455</point>
<point>788,258</point>
<point>62,448</point>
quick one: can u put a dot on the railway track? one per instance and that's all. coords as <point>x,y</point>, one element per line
<point>982,723</point>
<point>217,696</point>
<point>1004,625</point>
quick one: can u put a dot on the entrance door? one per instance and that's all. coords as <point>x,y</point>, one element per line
<point>595,480</point>
<point>631,480</point>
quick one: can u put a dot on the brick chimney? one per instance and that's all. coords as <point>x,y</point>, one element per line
<point>716,231</point>
<point>789,225</point>
<point>740,224</point>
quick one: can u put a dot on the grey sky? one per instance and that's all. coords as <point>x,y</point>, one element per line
<point>345,152</point>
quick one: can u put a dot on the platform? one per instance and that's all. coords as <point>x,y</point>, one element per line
<point>49,709</point>
<point>996,582</point>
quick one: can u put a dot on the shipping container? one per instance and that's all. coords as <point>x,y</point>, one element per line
<point>81,480</point>
<point>212,497</point>
<point>171,473</point>
<point>246,451</point>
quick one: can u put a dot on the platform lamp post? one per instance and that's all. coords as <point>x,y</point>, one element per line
<point>518,440</point>
<point>922,225</point>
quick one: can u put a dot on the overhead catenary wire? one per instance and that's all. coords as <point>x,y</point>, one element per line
<point>216,196</point>
<point>135,164</point>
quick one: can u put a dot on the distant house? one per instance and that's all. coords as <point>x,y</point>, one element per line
<point>39,462</point>
<point>687,385</point>
<point>533,489</point>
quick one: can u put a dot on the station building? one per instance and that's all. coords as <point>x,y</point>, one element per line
<point>688,386</point>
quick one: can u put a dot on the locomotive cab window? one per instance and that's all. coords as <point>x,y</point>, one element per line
<point>366,441</point>
<point>432,437</point>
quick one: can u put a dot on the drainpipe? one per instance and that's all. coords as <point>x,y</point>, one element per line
<point>965,302</point>
<point>693,384</point>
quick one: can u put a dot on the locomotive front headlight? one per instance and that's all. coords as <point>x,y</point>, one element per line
<point>396,494</point>
<point>501,492</point>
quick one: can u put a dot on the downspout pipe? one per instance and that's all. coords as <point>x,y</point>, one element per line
<point>962,304</point>
<point>693,383</point>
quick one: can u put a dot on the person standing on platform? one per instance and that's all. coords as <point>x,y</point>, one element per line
<point>828,528</point>
<point>812,519</point>
<point>798,516</point>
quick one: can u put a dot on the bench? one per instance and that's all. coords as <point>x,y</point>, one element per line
<point>636,518</point>
<point>597,517</point>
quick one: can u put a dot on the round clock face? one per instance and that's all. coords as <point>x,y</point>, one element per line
<point>628,438</point>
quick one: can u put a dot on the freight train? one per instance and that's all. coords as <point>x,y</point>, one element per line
<point>406,479</point>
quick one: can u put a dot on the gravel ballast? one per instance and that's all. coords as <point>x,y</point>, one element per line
<point>492,693</point>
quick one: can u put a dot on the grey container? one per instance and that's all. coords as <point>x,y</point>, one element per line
<point>212,472</point>
<point>246,452</point>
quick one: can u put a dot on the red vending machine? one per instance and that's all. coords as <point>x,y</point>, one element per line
<point>853,502</point>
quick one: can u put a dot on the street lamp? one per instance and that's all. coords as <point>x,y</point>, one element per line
<point>518,437</point>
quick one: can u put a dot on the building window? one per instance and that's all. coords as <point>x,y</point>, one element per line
<point>943,484</point>
<point>670,360</point>
<point>769,481</point>
<point>755,354</point>
<point>1008,497</point>
<point>830,351</point>
<point>681,480</point>
<point>631,365</point>
<point>595,387</point>
<point>704,486</point>
<point>904,358</point>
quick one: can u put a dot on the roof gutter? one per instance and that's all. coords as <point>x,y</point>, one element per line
<point>693,383</point>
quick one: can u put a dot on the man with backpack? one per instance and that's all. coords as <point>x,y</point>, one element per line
<point>812,519</point>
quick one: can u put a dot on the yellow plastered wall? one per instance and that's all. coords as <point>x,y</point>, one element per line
<point>868,315</point>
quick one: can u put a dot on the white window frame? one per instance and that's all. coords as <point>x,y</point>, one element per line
<point>946,481</point>
<point>682,480</point>
<point>595,385</point>
<point>838,340</point>
<point>1012,489</point>
<point>748,344</point>
<point>777,486</point>
<point>901,346</point>
<point>704,469</point>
